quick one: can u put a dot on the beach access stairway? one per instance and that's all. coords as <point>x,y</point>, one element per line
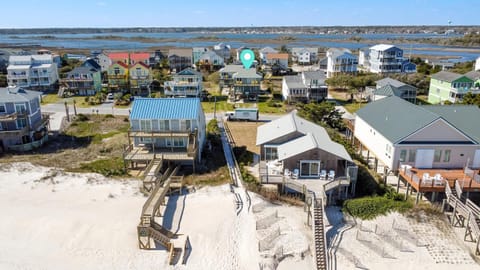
<point>465,214</point>
<point>319,234</point>
<point>149,229</point>
<point>317,198</point>
<point>150,176</point>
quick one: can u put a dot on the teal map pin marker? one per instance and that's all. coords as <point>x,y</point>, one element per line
<point>247,57</point>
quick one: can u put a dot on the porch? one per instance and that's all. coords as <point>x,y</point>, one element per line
<point>435,180</point>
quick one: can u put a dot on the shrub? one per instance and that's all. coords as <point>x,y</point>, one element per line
<point>371,207</point>
<point>82,117</point>
<point>107,167</point>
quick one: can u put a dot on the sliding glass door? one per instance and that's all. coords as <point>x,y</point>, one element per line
<point>309,168</point>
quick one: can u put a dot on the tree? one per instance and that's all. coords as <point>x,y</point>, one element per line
<point>323,113</point>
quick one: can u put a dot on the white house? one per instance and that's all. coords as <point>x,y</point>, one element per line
<point>104,61</point>
<point>396,131</point>
<point>32,71</point>
<point>477,64</point>
<point>305,56</point>
<point>223,50</point>
<point>341,60</point>
<point>385,58</point>
<point>363,55</point>
<point>264,52</point>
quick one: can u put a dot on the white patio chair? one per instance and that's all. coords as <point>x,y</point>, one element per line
<point>331,174</point>
<point>323,175</point>
<point>438,180</point>
<point>295,173</point>
<point>287,172</point>
<point>426,176</point>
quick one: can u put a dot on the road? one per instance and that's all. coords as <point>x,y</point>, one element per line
<point>57,112</point>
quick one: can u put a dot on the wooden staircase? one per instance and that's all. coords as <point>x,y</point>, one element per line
<point>319,234</point>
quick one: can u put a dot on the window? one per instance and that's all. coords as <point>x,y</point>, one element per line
<point>20,108</point>
<point>164,125</point>
<point>412,155</point>
<point>403,155</point>
<point>437,156</point>
<point>3,109</point>
<point>271,153</point>
<point>21,123</point>
<point>446,155</point>
<point>178,142</point>
<point>116,71</point>
<point>185,125</point>
<point>309,168</point>
<point>175,125</point>
<point>145,125</point>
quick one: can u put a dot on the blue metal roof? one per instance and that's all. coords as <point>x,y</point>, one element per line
<point>165,108</point>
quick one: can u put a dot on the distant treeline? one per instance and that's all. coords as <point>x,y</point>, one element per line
<point>266,29</point>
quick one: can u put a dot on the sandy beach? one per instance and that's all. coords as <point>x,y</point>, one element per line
<point>58,220</point>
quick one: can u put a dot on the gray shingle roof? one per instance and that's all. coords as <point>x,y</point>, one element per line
<point>446,76</point>
<point>314,136</point>
<point>314,75</point>
<point>396,118</point>
<point>247,73</point>
<point>386,81</point>
<point>387,90</point>
<point>17,94</point>
<point>294,81</point>
<point>473,75</point>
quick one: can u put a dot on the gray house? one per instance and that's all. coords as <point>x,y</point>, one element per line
<point>22,126</point>
<point>295,144</point>
<point>305,87</point>
<point>390,87</point>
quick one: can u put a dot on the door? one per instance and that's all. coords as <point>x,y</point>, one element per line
<point>476,159</point>
<point>424,158</point>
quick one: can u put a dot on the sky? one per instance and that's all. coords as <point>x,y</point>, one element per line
<point>198,13</point>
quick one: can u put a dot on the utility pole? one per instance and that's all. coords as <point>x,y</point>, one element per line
<point>66,111</point>
<point>75,106</point>
<point>215,108</point>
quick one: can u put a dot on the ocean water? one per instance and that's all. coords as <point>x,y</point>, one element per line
<point>85,41</point>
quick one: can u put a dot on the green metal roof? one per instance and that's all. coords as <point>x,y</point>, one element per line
<point>396,118</point>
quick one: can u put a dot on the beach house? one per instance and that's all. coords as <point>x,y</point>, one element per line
<point>22,125</point>
<point>140,76</point>
<point>385,58</point>
<point>222,50</point>
<point>263,52</point>
<point>293,145</point>
<point>305,87</point>
<point>82,81</point>
<point>449,86</point>
<point>34,72</point>
<point>304,56</point>
<point>240,82</point>
<point>390,87</point>
<point>170,129</point>
<point>186,83</point>
<point>117,75</point>
<point>396,131</point>
<point>341,61</point>
<point>180,59</point>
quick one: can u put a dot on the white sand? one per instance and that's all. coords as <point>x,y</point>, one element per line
<point>56,220</point>
<point>435,246</point>
<point>86,221</point>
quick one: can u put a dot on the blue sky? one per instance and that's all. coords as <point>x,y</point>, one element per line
<point>161,13</point>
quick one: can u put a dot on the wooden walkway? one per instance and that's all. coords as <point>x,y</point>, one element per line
<point>465,214</point>
<point>149,229</point>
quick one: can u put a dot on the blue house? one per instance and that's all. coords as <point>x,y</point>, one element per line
<point>170,129</point>
<point>409,67</point>
<point>22,126</point>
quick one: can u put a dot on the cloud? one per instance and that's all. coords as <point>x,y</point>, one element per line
<point>101,4</point>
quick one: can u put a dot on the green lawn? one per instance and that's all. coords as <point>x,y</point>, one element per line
<point>353,107</point>
<point>50,98</point>
<point>262,107</point>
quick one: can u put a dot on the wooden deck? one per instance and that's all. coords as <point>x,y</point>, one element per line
<point>470,182</point>
<point>142,154</point>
